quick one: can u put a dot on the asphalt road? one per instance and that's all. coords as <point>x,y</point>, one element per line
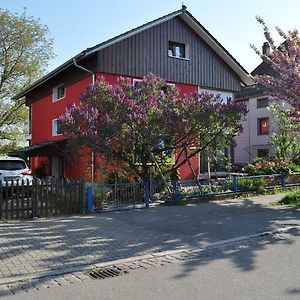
<point>262,268</point>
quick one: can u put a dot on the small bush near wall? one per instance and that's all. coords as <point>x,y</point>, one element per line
<point>292,198</point>
<point>252,185</point>
<point>272,166</point>
<point>40,171</point>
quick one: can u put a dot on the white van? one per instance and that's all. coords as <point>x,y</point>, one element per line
<point>13,170</point>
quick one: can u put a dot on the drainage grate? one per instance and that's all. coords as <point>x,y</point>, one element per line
<point>98,273</point>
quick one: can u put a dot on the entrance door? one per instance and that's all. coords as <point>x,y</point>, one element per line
<point>57,166</point>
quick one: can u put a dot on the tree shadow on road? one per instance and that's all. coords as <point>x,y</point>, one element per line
<point>45,246</point>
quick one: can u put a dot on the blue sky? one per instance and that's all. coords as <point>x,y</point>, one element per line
<point>77,24</point>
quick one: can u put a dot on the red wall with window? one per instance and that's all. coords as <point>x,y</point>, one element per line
<point>45,110</point>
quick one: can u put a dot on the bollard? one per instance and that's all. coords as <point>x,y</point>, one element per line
<point>235,184</point>
<point>147,194</point>
<point>89,199</point>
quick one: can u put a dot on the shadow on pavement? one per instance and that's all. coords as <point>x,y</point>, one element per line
<point>48,245</point>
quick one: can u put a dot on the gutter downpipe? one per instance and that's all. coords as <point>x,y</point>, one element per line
<point>93,82</point>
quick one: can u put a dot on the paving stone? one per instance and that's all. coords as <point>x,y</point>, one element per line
<point>54,244</point>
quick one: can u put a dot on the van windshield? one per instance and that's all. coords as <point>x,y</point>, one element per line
<point>12,165</point>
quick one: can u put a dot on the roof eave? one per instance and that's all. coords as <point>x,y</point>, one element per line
<point>96,48</point>
<point>42,80</point>
<point>217,47</point>
<point>134,31</point>
<point>186,16</point>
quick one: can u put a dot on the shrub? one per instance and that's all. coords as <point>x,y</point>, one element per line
<point>272,166</point>
<point>292,198</point>
<point>40,171</point>
<point>252,184</point>
<point>117,176</point>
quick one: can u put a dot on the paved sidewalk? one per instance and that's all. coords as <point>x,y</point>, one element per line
<point>46,245</point>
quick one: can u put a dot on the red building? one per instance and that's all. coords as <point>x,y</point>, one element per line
<point>175,47</point>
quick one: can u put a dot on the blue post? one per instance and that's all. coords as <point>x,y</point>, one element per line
<point>89,199</point>
<point>147,194</point>
<point>235,184</point>
<point>283,180</point>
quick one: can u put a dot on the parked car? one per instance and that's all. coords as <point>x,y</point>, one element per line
<point>13,170</point>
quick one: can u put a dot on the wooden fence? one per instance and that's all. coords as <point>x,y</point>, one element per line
<point>41,198</point>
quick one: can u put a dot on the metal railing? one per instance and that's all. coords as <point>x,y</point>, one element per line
<point>103,197</point>
<point>236,184</point>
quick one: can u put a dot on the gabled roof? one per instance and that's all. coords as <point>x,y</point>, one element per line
<point>264,69</point>
<point>255,90</point>
<point>182,13</point>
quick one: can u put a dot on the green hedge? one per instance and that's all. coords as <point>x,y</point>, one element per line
<point>252,185</point>
<point>292,198</point>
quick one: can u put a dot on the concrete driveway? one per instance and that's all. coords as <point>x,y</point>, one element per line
<point>46,246</point>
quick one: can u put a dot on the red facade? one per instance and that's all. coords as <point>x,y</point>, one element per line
<point>45,110</point>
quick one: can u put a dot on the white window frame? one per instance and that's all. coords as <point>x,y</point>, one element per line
<point>135,80</point>
<point>258,101</point>
<point>186,51</point>
<point>54,92</point>
<point>171,84</point>
<point>54,128</point>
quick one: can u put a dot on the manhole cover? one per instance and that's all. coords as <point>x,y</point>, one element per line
<point>102,273</point>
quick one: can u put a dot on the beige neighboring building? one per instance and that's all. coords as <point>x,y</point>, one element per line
<point>255,140</point>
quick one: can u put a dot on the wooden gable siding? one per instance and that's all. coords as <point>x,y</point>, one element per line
<point>147,52</point>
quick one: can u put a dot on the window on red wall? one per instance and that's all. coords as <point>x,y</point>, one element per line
<point>263,126</point>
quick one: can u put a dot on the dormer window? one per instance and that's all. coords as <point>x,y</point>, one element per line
<point>177,50</point>
<point>58,92</point>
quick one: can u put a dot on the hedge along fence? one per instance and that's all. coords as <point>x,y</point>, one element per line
<point>236,184</point>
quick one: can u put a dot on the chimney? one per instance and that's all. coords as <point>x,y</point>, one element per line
<point>266,49</point>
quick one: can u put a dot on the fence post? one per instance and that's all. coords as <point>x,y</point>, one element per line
<point>235,184</point>
<point>147,194</point>
<point>89,199</point>
<point>82,196</point>
<point>175,192</point>
<point>283,180</point>
<point>1,199</point>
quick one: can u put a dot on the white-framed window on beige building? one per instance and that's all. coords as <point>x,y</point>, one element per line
<point>263,153</point>
<point>262,102</point>
<point>262,126</point>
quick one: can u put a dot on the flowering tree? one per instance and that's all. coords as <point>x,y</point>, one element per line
<point>285,138</point>
<point>138,125</point>
<point>285,61</point>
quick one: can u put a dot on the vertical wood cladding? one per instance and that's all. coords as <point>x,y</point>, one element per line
<point>147,52</point>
